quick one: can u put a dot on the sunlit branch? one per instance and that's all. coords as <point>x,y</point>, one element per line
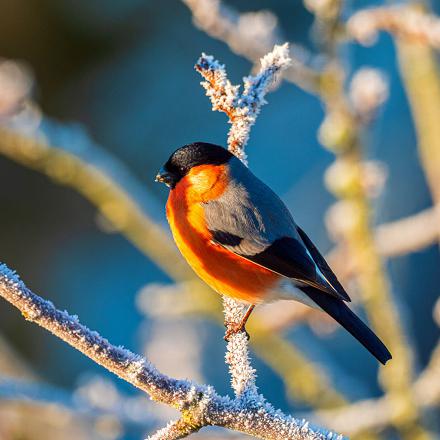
<point>200,405</point>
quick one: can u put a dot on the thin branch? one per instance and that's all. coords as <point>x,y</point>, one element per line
<point>200,405</point>
<point>242,110</point>
<point>377,414</point>
<point>406,22</point>
<point>399,237</point>
<point>418,65</point>
<point>409,234</point>
<point>128,366</point>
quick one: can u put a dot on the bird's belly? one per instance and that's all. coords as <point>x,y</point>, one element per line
<point>229,274</point>
<point>223,271</point>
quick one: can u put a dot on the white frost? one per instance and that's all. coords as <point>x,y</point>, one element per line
<point>242,108</point>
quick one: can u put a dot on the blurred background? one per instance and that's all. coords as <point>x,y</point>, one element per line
<point>112,85</point>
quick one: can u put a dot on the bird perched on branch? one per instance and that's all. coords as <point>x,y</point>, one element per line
<point>240,238</point>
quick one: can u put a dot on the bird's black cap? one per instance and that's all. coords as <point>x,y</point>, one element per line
<point>189,156</point>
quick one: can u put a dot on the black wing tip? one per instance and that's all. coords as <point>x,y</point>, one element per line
<point>344,295</point>
<point>337,290</point>
<point>339,311</point>
<point>384,357</point>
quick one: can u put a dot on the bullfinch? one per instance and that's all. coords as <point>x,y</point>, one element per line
<point>240,238</point>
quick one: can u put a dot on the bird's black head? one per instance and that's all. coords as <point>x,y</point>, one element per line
<point>189,156</point>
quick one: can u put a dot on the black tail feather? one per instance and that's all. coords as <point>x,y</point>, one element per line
<point>341,313</point>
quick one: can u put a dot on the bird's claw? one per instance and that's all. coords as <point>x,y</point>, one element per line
<point>232,328</point>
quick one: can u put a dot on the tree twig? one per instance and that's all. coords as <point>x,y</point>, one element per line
<point>407,22</point>
<point>377,414</point>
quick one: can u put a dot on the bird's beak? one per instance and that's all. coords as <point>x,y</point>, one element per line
<point>164,176</point>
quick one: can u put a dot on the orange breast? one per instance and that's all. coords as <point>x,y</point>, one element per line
<point>225,272</point>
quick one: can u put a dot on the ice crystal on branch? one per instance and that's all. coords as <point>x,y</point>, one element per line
<point>243,107</point>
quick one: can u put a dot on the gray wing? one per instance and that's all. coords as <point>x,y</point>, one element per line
<point>250,220</point>
<point>250,211</point>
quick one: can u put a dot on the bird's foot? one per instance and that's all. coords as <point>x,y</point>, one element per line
<point>232,328</point>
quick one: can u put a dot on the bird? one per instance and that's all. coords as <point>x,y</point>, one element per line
<point>240,238</point>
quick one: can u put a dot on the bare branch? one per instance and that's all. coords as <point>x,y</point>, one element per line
<point>418,65</point>
<point>377,414</point>
<point>406,22</point>
<point>399,237</point>
<point>427,385</point>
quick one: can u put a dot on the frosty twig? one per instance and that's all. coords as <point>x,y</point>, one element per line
<point>242,108</point>
<point>200,405</point>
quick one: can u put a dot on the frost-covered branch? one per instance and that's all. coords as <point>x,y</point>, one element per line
<point>200,405</point>
<point>128,366</point>
<point>174,430</point>
<point>237,354</point>
<point>243,107</point>
<point>407,22</point>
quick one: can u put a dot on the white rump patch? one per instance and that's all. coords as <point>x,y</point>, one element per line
<point>288,290</point>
